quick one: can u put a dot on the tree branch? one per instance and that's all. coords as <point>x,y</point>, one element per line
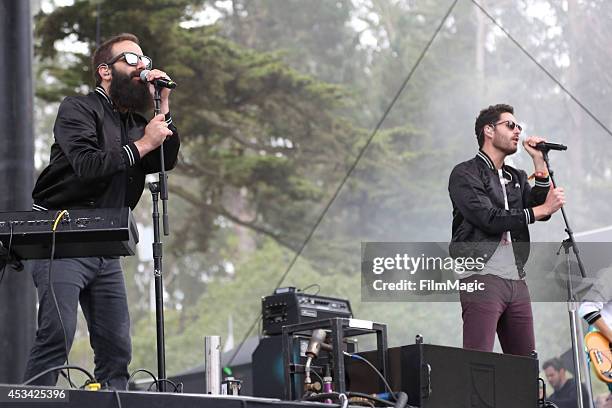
<point>220,210</point>
<point>232,132</point>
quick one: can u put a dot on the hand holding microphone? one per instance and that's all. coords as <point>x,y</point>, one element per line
<point>157,78</point>
<point>555,199</point>
<point>538,143</point>
<point>546,146</point>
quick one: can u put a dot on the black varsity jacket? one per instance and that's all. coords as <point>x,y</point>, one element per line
<point>479,214</point>
<point>94,162</point>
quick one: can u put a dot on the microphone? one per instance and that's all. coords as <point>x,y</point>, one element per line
<point>159,82</point>
<point>316,343</point>
<point>546,146</point>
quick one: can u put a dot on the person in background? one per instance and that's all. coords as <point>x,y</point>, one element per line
<point>565,395</point>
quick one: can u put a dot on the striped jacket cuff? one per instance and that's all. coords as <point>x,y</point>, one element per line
<point>529,216</point>
<point>592,317</point>
<point>131,156</point>
<point>542,181</point>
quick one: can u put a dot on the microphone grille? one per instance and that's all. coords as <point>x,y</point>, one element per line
<point>143,75</point>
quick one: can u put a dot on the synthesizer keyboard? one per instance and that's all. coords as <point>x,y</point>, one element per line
<point>80,233</point>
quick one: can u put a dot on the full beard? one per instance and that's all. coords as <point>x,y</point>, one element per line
<point>128,94</point>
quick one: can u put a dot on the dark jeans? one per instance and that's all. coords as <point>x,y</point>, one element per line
<point>505,308</point>
<point>98,285</point>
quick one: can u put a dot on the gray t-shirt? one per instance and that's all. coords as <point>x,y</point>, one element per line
<point>502,262</point>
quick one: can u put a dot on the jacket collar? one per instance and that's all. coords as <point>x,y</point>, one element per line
<point>489,163</point>
<point>104,95</point>
<point>486,159</point>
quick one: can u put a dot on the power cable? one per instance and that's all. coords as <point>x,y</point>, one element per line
<point>140,370</point>
<point>117,399</point>
<point>380,375</point>
<point>314,285</point>
<point>52,289</point>
<point>58,368</point>
<point>177,388</point>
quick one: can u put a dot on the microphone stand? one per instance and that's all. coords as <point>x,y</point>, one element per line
<point>159,188</point>
<point>572,302</point>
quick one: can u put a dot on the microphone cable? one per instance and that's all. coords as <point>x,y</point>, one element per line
<point>49,276</point>
<point>380,375</point>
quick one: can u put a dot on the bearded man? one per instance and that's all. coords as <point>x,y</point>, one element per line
<point>103,149</point>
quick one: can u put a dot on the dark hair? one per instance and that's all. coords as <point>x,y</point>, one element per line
<point>554,363</point>
<point>487,116</point>
<point>104,52</point>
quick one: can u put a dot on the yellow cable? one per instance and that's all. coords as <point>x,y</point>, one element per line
<point>59,217</point>
<point>93,387</point>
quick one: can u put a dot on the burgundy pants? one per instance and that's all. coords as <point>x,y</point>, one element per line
<point>503,308</point>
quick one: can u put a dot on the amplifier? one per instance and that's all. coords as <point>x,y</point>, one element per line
<point>289,306</point>
<point>439,376</point>
<point>269,368</point>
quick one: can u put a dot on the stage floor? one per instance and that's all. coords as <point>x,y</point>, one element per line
<point>23,396</point>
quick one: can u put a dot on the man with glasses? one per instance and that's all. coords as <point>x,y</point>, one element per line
<point>103,149</point>
<point>493,205</point>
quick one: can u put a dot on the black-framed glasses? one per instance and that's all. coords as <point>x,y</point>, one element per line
<point>132,59</point>
<point>509,123</point>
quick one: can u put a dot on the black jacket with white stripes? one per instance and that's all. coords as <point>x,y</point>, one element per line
<point>479,214</point>
<point>94,162</point>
